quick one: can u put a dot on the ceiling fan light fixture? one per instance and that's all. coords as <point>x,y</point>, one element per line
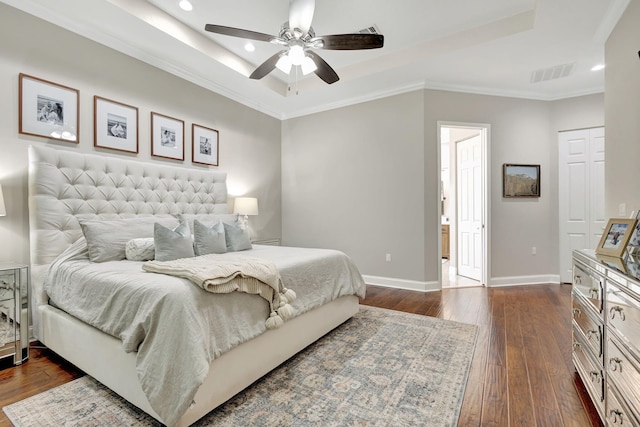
<point>284,64</point>
<point>296,55</point>
<point>185,5</point>
<point>308,66</point>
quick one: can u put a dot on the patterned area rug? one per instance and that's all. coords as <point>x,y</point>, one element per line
<point>380,368</point>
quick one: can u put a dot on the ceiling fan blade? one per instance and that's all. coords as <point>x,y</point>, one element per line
<point>324,70</point>
<point>348,41</point>
<point>238,32</point>
<point>266,67</point>
<point>301,14</point>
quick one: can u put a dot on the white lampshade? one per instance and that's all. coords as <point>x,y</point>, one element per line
<point>308,66</point>
<point>284,64</point>
<point>3,211</point>
<point>246,206</point>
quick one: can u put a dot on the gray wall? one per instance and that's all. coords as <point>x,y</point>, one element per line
<point>622,113</point>
<point>353,179</point>
<point>364,179</point>
<point>249,140</point>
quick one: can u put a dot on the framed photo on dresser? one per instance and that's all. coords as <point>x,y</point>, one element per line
<point>616,236</point>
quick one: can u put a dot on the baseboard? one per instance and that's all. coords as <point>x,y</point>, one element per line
<point>412,285</point>
<point>525,280</point>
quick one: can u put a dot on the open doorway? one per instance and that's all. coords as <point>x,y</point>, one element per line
<point>464,206</point>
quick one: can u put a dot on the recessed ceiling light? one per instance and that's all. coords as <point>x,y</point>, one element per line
<point>598,67</point>
<point>185,5</point>
<point>249,47</point>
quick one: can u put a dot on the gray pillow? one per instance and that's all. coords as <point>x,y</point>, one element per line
<point>236,238</point>
<point>208,240</point>
<point>107,239</point>
<point>209,219</point>
<point>172,244</point>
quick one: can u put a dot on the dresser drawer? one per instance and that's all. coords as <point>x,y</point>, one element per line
<point>589,284</point>
<point>590,372</point>
<point>623,315</point>
<point>624,371</point>
<point>618,414</point>
<point>591,329</point>
<point>7,283</point>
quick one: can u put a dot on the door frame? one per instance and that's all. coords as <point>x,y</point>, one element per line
<point>486,199</point>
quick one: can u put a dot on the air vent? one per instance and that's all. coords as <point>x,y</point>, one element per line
<point>551,73</point>
<point>370,30</point>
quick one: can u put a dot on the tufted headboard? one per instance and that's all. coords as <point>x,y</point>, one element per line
<point>65,185</point>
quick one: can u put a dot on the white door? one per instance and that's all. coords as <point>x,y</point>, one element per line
<point>581,193</point>
<point>469,180</point>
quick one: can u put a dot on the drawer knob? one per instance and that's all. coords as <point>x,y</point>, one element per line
<point>619,310</point>
<point>592,333</point>
<point>593,293</point>
<point>577,312</point>
<point>595,376</point>
<point>576,345</point>
<point>615,364</point>
<point>577,279</point>
<point>615,415</point>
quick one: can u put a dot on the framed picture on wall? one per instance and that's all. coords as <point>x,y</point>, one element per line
<point>520,180</point>
<point>204,145</point>
<point>616,236</point>
<point>115,125</point>
<point>167,137</point>
<point>48,109</point>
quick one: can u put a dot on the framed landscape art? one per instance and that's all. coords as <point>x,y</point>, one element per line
<point>204,145</point>
<point>48,109</point>
<point>115,125</point>
<point>520,180</point>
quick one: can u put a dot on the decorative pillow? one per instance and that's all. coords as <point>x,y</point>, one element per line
<point>209,240</point>
<point>236,238</point>
<point>141,249</point>
<point>172,244</point>
<point>106,239</point>
<point>209,219</point>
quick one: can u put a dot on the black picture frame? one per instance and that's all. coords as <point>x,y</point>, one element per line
<point>520,180</point>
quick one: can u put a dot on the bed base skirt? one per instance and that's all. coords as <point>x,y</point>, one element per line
<point>101,355</point>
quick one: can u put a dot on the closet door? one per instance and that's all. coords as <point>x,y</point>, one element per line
<point>581,193</point>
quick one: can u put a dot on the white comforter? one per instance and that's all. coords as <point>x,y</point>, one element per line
<point>175,326</point>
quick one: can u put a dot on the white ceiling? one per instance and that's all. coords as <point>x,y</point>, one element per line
<point>489,46</point>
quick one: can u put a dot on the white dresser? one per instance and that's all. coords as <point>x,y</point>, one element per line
<point>606,334</point>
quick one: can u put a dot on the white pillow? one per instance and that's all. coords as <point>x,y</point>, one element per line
<point>141,249</point>
<point>106,239</point>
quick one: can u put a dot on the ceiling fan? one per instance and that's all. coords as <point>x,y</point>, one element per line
<point>300,39</point>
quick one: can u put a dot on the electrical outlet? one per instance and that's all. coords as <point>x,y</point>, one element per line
<point>533,250</point>
<point>388,257</point>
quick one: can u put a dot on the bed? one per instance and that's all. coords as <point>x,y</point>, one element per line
<point>69,188</point>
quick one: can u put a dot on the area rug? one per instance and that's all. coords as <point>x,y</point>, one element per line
<point>380,368</point>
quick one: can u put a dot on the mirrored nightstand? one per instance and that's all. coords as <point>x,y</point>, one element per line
<point>14,312</point>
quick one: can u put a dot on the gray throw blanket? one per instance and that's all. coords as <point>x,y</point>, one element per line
<point>233,271</point>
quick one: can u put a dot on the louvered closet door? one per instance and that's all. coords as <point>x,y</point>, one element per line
<point>581,193</point>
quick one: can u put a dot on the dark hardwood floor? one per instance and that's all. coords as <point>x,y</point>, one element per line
<point>521,374</point>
